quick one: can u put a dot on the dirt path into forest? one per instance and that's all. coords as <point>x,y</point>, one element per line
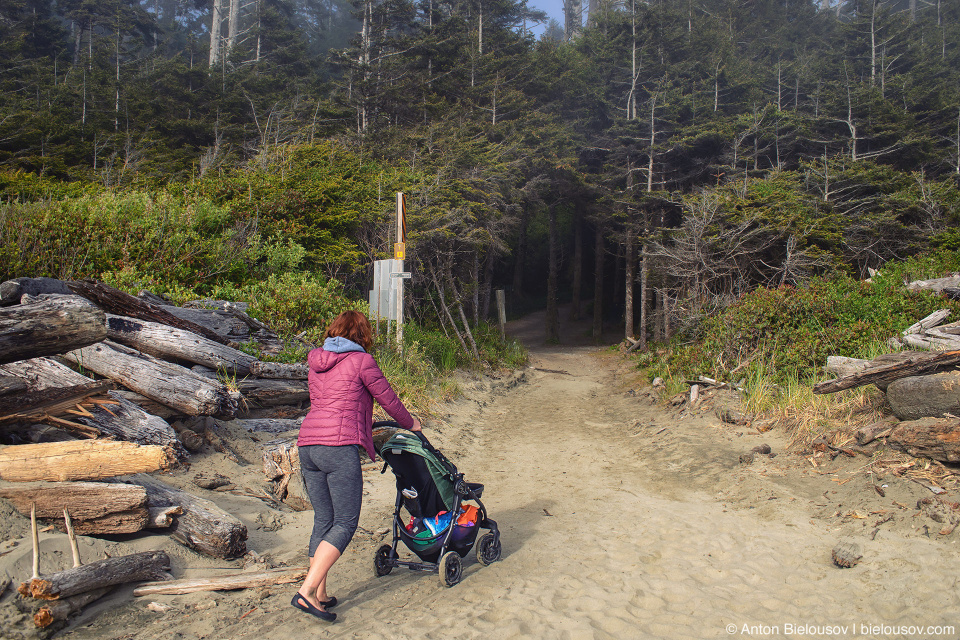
<point>619,519</point>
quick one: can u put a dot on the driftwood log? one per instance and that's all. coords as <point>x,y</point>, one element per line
<point>231,324</point>
<point>126,421</point>
<point>44,373</point>
<point>222,583</point>
<point>137,567</point>
<point>271,393</point>
<point>281,465</point>
<point>96,508</point>
<point>58,610</point>
<point>12,290</point>
<point>172,343</point>
<point>123,304</point>
<point>163,382</point>
<point>910,365</point>
<point>934,438</point>
<point>49,405</point>
<point>279,370</point>
<point>203,526</point>
<point>80,460</point>
<point>871,432</point>
<point>49,327</point>
<point>268,425</point>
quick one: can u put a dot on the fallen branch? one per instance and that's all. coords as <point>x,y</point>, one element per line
<point>137,567</point>
<point>222,583</point>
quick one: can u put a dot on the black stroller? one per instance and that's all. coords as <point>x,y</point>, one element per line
<point>443,528</point>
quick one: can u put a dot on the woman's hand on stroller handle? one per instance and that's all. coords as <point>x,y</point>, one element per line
<point>416,425</point>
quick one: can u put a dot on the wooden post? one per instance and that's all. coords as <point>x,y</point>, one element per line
<point>502,313</point>
<point>400,257</point>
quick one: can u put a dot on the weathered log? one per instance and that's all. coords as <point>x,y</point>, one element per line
<point>912,364</point>
<point>930,396</point>
<point>278,370</point>
<point>222,583</point>
<point>80,460</point>
<point>231,324</point>
<point>137,567</point>
<point>192,440</point>
<point>163,382</point>
<point>49,327</point>
<point>12,290</point>
<point>123,304</point>
<point>871,432</point>
<point>934,438</point>
<point>842,366</point>
<point>58,610</point>
<point>126,421</point>
<point>86,500</point>
<point>931,343</point>
<point>281,465</point>
<point>271,393</point>
<point>931,320</point>
<point>255,331</point>
<point>936,284</point>
<point>168,342</point>
<point>12,384</point>
<point>49,401</point>
<point>44,373</point>
<point>203,526</point>
<point>268,425</point>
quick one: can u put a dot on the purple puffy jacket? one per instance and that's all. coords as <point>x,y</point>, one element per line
<point>342,389</point>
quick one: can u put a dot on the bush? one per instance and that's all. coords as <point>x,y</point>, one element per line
<point>788,332</point>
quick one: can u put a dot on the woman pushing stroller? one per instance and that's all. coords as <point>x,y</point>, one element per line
<point>344,380</point>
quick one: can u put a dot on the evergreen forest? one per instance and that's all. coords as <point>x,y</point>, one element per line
<point>647,166</point>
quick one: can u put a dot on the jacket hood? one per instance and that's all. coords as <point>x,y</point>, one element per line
<point>339,344</point>
<point>333,352</point>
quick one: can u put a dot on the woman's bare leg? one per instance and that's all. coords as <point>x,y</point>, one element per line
<point>314,588</point>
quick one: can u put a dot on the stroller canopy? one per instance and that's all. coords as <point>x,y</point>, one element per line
<point>417,467</point>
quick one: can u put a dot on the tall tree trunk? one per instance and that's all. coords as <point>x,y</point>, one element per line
<point>575,305</point>
<point>553,317</point>
<point>233,25</point>
<point>629,277</point>
<point>215,23</point>
<point>598,284</point>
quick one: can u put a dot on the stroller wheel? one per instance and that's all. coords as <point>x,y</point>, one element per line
<point>488,549</point>
<point>382,561</point>
<point>451,568</point>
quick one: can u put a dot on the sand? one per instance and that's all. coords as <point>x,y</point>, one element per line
<point>620,518</point>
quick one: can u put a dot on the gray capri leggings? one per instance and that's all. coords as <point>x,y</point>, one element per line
<point>335,486</point>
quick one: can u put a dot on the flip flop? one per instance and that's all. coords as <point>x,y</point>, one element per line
<point>312,610</point>
<point>329,604</point>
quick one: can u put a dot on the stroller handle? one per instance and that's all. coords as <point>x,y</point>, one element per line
<point>396,425</point>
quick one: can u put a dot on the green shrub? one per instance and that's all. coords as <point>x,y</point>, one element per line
<point>787,333</point>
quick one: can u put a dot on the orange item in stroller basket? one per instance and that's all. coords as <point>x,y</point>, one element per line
<point>469,515</point>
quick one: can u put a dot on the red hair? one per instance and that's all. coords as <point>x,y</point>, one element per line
<point>353,326</point>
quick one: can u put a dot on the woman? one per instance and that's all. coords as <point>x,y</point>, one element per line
<point>344,379</point>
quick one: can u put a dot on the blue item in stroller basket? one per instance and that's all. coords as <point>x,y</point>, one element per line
<point>438,523</point>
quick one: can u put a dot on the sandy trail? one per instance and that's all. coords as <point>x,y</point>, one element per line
<point>617,521</point>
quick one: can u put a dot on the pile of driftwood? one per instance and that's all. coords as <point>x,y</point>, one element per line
<point>922,389</point>
<point>98,388</point>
